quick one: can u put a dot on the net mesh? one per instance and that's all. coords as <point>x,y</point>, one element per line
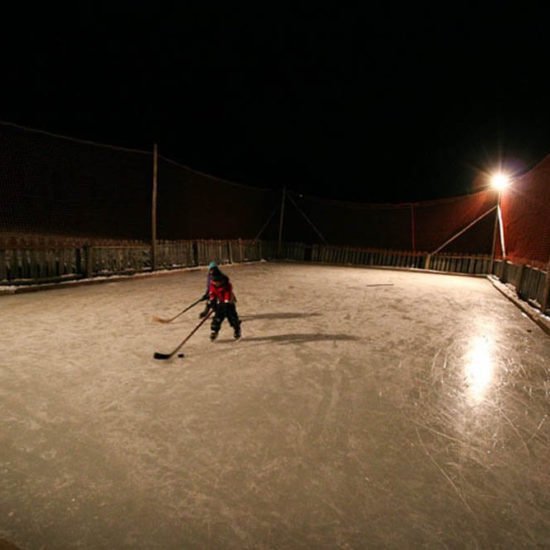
<point>55,185</point>
<point>66,187</point>
<point>526,217</point>
<point>423,226</point>
<point>192,205</point>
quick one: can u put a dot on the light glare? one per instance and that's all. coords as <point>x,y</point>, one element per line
<point>500,181</point>
<point>479,367</point>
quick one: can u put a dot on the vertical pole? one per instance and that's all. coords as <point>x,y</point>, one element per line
<point>154,210</point>
<point>281,218</point>
<point>413,229</point>
<point>501,226</point>
<point>3,266</point>
<point>230,251</point>
<point>428,261</point>
<point>88,261</point>
<point>495,231</point>
<point>545,303</point>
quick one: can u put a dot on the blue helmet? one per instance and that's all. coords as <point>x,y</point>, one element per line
<point>211,265</point>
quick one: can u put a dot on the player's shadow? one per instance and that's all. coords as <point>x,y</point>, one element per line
<point>300,338</point>
<point>273,316</point>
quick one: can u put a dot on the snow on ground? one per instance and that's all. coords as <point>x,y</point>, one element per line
<point>362,408</point>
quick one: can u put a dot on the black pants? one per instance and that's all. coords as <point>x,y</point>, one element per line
<point>221,312</point>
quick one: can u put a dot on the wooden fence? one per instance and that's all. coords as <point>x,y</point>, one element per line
<point>30,261</point>
<point>532,284</point>
<point>24,265</point>
<point>472,264</point>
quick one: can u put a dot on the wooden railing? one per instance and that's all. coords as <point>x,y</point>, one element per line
<point>26,261</point>
<point>33,261</point>
<point>531,283</point>
<point>472,264</point>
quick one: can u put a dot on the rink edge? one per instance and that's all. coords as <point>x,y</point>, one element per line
<point>8,290</point>
<point>534,314</point>
<point>509,292</point>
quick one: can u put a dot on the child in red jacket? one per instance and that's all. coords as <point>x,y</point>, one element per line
<point>212,268</point>
<point>221,300</point>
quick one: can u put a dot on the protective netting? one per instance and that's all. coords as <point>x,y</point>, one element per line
<point>192,205</point>
<point>53,185</point>
<point>420,226</point>
<point>61,186</point>
<point>526,217</point>
<point>68,187</point>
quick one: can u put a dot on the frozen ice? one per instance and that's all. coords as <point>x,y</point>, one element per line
<point>362,408</point>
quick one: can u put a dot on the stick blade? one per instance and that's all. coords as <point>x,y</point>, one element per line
<point>158,355</point>
<point>160,319</point>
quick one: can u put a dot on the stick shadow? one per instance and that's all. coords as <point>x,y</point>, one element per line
<point>299,338</point>
<point>288,315</point>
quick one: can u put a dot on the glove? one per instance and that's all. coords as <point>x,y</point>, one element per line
<point>203,314</point>
<point>205,297</point>
<point>210,305</point>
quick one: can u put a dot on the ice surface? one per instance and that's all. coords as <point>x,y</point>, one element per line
<point>348,416</point>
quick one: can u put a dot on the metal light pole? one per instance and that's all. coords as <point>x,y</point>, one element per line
<point>495,231</point>
<point>499,182</point>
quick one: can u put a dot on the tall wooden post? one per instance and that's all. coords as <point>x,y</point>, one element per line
<point>281,219</point>
<point>413,229</point>
<point>88,261</point>
<point>545,304</point>
<point>427,261</point>
<point>154,211</point>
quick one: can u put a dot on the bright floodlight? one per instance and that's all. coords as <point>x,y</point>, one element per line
<point>500,181</point>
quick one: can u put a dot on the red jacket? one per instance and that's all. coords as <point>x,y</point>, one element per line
<point>221,293</point>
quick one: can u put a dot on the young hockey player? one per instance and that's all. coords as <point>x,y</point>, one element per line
<point>212,268</point>
<point>222,301</point>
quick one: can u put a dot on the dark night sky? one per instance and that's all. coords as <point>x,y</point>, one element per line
<point>385,102</point>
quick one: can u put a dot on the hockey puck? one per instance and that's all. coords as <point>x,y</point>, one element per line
<point>180,354</point>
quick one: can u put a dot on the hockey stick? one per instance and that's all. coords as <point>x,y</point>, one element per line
<point>161,320</point>
<point>159,355</point>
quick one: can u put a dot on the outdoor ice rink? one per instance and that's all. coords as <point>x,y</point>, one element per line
<point>363,408</point>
